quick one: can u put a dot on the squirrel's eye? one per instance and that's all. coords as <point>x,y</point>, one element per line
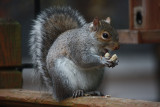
<point>105,35</point>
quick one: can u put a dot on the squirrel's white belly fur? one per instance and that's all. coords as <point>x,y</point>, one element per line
<point>79,78</point>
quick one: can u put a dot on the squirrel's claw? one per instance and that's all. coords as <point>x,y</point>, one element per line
<point>93,93</point>
<point>112,63</point>
<point>78,93</point>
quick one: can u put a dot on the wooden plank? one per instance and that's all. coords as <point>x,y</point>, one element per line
<point>10,43</point>
<point>150,36</point>
<point>10,79</point>
<point>128,36</point>
<point>28,98</point>
<point>139,36</point>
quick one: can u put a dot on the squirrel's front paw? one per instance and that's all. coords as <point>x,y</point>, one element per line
<point>111,61</point>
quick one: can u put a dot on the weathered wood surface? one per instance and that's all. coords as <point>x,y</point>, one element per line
<point>10,43</point>
<point>10,79</point>
<point>139,36</point>
<point>26,98</point>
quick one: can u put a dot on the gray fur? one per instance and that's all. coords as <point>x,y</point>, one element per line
<point>45,31</point>
<point>79,67</point>
<point>66,52</point>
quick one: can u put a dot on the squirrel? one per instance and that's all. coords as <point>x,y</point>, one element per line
<point>68,53</point>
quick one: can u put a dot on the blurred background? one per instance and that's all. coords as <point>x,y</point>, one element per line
<point>136,76</point>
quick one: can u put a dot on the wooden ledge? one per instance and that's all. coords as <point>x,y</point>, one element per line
<point>139,36</point>
<point>27,98</point>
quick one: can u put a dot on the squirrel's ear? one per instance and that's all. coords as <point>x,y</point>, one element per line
<point>95,24</point>
<point>108,20</point>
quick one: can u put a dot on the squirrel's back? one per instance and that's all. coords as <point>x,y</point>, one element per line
<point>46,28</point>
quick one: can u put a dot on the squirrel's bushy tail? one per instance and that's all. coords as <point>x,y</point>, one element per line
<point>46,28</point>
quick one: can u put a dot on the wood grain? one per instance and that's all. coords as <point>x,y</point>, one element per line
<point>28,98</point>
<point>139,36</point>
<point>10,79</point>
<point>151,9</point>
<point>150,36</point>
<point>10,43</point>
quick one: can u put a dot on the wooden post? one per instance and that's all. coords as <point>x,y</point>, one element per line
<point>10,79</point>
<point>144,24</point>
<point>10,43</point>
<point>134,6</point>
<point>10,54</point>
<point>144,14</point>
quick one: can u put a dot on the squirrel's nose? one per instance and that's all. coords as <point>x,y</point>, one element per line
<point>117,47</point>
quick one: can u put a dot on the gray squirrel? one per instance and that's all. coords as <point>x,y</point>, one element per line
<point>68,53</point>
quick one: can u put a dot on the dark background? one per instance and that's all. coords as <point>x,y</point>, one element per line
<point>134,77</point>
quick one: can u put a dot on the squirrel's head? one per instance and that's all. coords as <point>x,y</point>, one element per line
<point>105,34</point>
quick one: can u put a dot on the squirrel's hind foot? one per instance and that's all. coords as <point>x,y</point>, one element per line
<point>93,93</point>
<point>78,93</point>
